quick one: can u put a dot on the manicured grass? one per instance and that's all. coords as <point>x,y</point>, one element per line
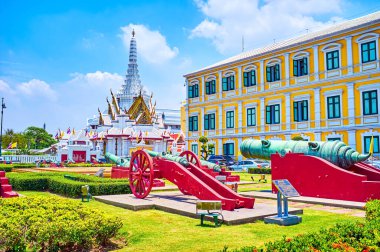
<point>256,185</point>
<point>153,230</point>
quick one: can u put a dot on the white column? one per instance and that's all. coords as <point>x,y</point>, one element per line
<point>240,157</point>
<point>262,75</point>
<point>240,117</point>
<point>316,63</point>
<point>239,80</point>
<point>262,114</point>
<point>88,155</point>
<point>352,139</point>
<point>203,88</point>
<point>187,113</point>
<point>317,107</point>
<point>287,137</point>
<point>351,103</point>
<point>317,136</point>
<point>349,55</point>
<point>220,115</point>
<point>287,69</point>
<point>187,125</point>
<point>201,121</point>
<point>220,84</point>
<point>220,147</point>
<point>287,110</point>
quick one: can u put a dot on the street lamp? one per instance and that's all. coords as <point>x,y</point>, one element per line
<point>1,124</point>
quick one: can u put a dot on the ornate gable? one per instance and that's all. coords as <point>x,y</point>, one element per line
<point>139,111</point>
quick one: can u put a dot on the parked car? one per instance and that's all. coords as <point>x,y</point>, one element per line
<point>263,163</point>
<point>221,160</point>
<point>244,165</point>
<point>374,163</point>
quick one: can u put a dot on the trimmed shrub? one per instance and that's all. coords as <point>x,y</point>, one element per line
<point>259,170</point>
<point>88,165</point>
<point>57,183</point>
<point>24,165</point>
<point>6,168</point>
<point>53,224</point>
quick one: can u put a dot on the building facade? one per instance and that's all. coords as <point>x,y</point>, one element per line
<point>322,86</point>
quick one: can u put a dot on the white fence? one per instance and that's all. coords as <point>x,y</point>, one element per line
<point>28,158</point>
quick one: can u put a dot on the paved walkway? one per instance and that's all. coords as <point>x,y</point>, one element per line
<point>310,200</point>
<point>176,202</point>
<point>318,207</point>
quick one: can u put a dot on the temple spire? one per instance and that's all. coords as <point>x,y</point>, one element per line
<point>132,84</point>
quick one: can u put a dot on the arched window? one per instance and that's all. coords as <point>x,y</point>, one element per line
<point>301,64</point>
<point>210,85</point>
<point>249,76</point>
<point>368,46</point>
<point>193,89</point>
<point>228,81</point>
<point>332,56</point>
<point>273,70</point>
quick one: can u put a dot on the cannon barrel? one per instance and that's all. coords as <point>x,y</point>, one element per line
<point>214,167</point>
<point>170,157</point>
<point>117,160</point>
<point>335,152</point>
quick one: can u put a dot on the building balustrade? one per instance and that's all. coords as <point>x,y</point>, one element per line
<point>29,158</point>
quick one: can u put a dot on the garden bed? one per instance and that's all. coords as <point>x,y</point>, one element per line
<point>57,183</point>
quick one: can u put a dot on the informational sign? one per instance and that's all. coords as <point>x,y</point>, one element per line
<point>286,189</point>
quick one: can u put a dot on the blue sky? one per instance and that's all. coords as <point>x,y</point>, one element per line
<point>58,59</point>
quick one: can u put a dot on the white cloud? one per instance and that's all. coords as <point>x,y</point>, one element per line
<point>36,87</point>
<point>227,21</point>
<point>152,45</point>
<point>5,88</point>
<point>98,78</point>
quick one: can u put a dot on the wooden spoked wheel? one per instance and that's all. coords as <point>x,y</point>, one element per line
<point>191,157</point>
<point>141,174</point>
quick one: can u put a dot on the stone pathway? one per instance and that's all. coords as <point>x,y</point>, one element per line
<point>176,202</point>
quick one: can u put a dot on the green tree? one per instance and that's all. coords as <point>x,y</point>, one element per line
<point>206,148</point>
<point>298,138</point>
<point>38,138</point>
<point>12,137</point>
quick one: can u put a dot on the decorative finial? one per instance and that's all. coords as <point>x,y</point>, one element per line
<point>133,33</point>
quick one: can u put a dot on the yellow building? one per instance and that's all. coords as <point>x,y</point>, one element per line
<point>321,86</point>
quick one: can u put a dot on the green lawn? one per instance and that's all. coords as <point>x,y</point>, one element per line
<point>256,185</point>
<point>153,230</point>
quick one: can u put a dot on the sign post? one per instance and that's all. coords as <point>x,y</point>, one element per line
<point>285,191</point>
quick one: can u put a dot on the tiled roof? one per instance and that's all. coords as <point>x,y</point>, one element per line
<point>330,31</point>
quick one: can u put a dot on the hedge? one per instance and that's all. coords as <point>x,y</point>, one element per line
<point>6,168</point>
<point>259,170</point>
<point>346,236</point>
<point>53,224</point>
<point>56,183</point>
<point>87,165</point>
<point>24,165</point>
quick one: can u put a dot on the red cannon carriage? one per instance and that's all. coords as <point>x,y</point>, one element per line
<point>187,172</point>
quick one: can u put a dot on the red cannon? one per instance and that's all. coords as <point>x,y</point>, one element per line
<point>185,171</point>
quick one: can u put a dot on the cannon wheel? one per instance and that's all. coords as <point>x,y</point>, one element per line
<point>141,174</point>
<point>191,157</point>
